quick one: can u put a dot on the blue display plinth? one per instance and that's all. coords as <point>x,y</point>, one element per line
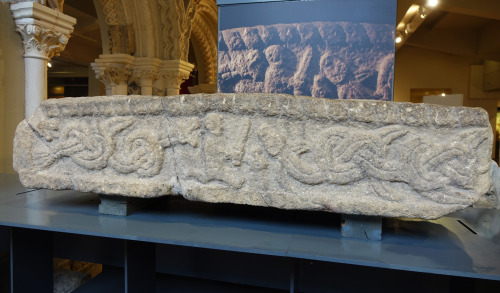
<point>254,246</point>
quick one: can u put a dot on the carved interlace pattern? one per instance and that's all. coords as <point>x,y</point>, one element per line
<point>42,42</point>
<point>110,12</point>
<point>176,18</point>
<point>391,158</point>
<point>145,73</point>
<point>93,146</point>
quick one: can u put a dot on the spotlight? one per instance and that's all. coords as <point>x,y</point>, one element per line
<point>432,3</point>
<point>49,64</point>
<point>408,28</point>
<point>443,94</point>
<point>398,39</point>
<point>422,12</point>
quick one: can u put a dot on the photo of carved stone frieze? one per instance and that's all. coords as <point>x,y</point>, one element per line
<point>289,152</point>
<point>337,60</point>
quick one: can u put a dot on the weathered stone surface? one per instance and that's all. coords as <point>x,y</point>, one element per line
<point>353,157</point>
<point>343,60</point>
<point>492,198</point>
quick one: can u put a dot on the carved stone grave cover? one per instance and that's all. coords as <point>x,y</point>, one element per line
<point>289,152</point>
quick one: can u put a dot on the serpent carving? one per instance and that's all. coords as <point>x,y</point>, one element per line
<point>368,157</point>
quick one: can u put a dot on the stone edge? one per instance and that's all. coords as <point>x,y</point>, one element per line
<point>271,105</point>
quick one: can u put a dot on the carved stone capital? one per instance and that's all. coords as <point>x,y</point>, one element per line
<point>146,70</point>
<point>113,75</point>
<point>113,69</point>
<point>45,32</point>
<point>173,79</point>
<point>145,73</point>
<point>173,72</point>
<point>41,42</point>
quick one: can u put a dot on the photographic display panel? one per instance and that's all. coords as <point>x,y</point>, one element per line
<point>340,49</point>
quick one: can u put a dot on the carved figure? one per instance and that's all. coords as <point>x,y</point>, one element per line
<point>223,155</point>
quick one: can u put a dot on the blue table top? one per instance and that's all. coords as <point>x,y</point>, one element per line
<point>465,243</point>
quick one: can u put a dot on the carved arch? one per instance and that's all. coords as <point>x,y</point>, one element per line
<point>204,40</point>
<point>144,26</point>
<point>176,18</point>
<point>115,26</point>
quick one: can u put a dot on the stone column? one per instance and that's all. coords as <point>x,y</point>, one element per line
<point>45,33</point>
<point>172,73</point>
<point>114,70</point>
<point>146,71</point>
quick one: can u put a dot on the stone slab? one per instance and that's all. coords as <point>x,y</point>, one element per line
<point>290,152</point>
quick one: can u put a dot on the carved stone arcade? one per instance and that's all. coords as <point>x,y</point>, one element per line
<point>160,52</point>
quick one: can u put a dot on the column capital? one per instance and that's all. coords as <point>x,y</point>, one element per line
<point>174,71</point>
<point>113,69</point>
<point>146,68</point>
<point>45,32</point>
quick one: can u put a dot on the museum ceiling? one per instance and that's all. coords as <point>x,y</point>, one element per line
<point>459,27</point>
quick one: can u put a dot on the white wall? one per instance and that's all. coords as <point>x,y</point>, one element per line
<point>418,68</point>
<point>11,86</point>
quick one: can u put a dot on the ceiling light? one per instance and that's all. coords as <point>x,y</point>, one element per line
<point>408,29</point>
<point>432,3</point>
<point>422,12</point>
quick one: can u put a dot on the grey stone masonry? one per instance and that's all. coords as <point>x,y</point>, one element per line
<point>290,152</point>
